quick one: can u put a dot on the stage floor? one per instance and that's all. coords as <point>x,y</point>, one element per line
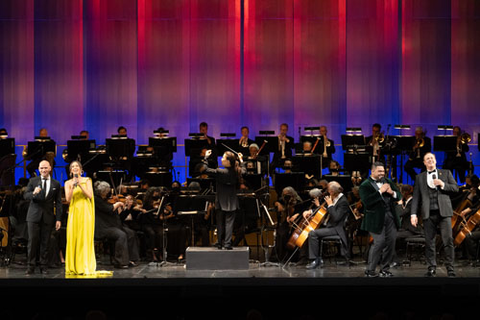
<point>276,292</point>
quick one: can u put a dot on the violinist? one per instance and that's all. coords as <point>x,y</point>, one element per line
<point>256,164</point>
<point>457,160</point>
<point>423,144</point>
<point>109,226</point>
<point>288,208</point>
<point>130,215</point>
<point>177,232</point>
<point>337,210</point>
<point>152,227</point>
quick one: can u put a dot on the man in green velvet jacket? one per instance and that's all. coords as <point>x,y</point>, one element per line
<point>379,195</point>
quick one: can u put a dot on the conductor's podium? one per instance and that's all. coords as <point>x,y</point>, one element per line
<point>211,258</point>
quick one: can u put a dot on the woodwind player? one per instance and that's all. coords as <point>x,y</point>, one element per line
<point>328,147</point>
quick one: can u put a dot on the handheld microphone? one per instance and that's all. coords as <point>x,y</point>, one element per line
<point>76,183</point>
<point>434,176</point>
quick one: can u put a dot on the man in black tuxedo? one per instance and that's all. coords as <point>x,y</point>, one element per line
<point>337,210</point>
<point>45,207</point>
<point>432,188</point>
<point>381,220</point>
<point>328,147</point>
<point>284,149</point>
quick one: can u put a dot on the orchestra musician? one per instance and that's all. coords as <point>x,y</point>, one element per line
<point>152,227</point>
<point>213,160</point>
<point>288,207</point>
<point>337,210</point>
<point>457,160</point>
<point>284,150</point>
<point>328,147</point>
<point>244,142</point>
<point>228,180</point>
<point>431,199</point>
<point>376,140</point>
<point>379,195</point>
<point>423,144</point>
<point>108,225</point>
<point>35,160</point>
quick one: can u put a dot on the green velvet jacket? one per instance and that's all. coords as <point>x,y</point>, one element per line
<point>373,204</point>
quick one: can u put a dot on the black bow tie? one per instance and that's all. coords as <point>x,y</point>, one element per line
<point>431,171</point>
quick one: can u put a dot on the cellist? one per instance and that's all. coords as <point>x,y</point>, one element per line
<point>337,211</point>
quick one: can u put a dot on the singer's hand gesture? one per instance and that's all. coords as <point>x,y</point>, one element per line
<point>438,183</point>
<point>37,190</point>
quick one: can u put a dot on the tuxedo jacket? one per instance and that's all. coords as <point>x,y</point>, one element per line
<point>41,208</point>
<point>337,216</point>
<point>374,206</point>
<point>421,195</point>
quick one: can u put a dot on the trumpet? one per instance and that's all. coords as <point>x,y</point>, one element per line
<point>465,138</point>
<point>380,137</point>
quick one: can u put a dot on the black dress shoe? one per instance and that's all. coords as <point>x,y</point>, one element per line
<point>218,246</point>
<point>30,271</point>
<point>314,264</point>
<point>132,264</point>
<point>386,274</point>
<point>121,266</point>
<point>370,274</point>
<point>228,248</point>
<point>431,273</point>
<point>43,271</point>
<point>451,274</point>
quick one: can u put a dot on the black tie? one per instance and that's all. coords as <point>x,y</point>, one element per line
<point>44,187</point>
<point>431,171</point>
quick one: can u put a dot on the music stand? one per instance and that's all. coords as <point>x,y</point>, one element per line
<point>40,147</point>
<point>163,145</point>
<point>108,176</point>
<point>157,179</point>
<point>308,164</point>
<point>193,147</point>
<point>79,147</point>
<point>356,161</point>
<point>405,143</point>
<point>254,181</point>
<point>7,146</point>
<point>120,147</point>
<point>349,140</point>
<point>190,205</point>
<point>445,143</point>
<point>205,183</point>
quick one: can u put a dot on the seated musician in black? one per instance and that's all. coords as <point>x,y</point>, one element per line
<point>288,208</point>
<point>109,226</point>
<point>337,210</point>
<point>131,213</point>
<point>472,198</point>
<point>152,226</point>
<point>404,208</point>
<point>177,233</point>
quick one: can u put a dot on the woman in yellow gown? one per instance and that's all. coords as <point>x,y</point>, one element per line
<point>80,252</point>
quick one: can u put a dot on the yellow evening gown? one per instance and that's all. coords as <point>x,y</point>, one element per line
<point>80,251</point>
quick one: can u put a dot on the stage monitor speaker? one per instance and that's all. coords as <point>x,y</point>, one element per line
<point>206,258</point>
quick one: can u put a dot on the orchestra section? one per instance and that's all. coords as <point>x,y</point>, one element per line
<point>284,178</point>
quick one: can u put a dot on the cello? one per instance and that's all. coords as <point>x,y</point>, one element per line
<point>467,228</point>
<point>301,231</point>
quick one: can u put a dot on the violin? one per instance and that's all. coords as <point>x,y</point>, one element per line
<point>355,208</point>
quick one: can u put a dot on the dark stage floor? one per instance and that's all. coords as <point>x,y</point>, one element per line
<point>282,293</point>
